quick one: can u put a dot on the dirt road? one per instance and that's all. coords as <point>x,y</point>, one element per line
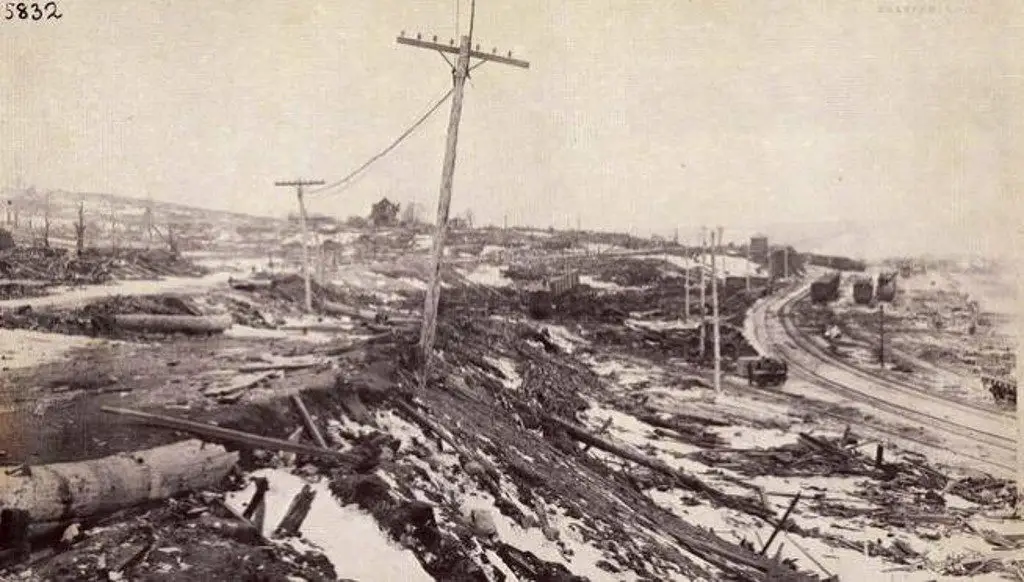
<point>949,432</point>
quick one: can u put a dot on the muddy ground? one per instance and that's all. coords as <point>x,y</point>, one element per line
<point>474,478</point>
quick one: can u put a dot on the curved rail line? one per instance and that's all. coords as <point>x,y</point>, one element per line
<point>801,342</point>
<point>907,387</point>
<point>800,338</point>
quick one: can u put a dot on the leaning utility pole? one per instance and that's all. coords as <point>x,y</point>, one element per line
<point>299,184</point>
<point>715,246</point>
<point>460,73</point>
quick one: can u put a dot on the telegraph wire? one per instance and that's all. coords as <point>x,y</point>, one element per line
<point>348,178</point>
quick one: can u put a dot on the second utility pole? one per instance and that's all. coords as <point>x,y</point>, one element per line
<point>459,74</point>
<point>302,224</point>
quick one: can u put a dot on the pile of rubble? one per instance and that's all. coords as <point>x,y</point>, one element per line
<point>628,272</point>
<point>61,266</point>
<point>195,537</point>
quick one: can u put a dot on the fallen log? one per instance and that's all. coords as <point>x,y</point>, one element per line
<point>332,308</point>
<point>250,284</point>
<point>63,491</point>
<point>688,481</point>
<point>226,434</point>
<point>187,324</point>
<point>279,366</point>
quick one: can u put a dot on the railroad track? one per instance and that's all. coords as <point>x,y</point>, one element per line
<point>800,338</point>
<point>807,358</point>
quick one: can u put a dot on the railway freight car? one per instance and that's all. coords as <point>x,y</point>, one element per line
<point>825,288</point>
<point>886,288</point>
<point>863,290</point>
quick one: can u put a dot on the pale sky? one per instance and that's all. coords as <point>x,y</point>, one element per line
<point>638,115</point>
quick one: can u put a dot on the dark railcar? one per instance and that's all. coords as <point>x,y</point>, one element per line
<point>863,290</point>
<point>826,288</point>
<point>886,290</point>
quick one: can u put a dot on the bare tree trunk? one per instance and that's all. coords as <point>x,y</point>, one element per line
<point>80,229</point>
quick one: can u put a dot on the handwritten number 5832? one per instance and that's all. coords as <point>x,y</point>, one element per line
<point>26,11</point>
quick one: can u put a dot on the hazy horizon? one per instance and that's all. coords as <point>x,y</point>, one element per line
<point>634,117</point>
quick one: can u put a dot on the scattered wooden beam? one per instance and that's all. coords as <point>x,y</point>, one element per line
<point>238,384</point>
<point>226,434</point>
<point>781,524</point>
<point>307,420</point>
<point>688,481</point>
<point>249,368</point>
<point>317,327</point>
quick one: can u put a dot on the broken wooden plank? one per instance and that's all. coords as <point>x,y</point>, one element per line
<point>307,420</point>
<point>299,508</point>
<point>226,434</point>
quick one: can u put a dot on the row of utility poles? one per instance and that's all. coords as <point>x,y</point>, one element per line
<point>702,265</point>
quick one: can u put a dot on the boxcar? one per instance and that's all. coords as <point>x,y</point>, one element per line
<point>826,288</point>
<point>886,289</point>
<point>863,290</point>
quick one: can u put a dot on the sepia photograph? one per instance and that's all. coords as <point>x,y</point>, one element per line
<point>533,290</point>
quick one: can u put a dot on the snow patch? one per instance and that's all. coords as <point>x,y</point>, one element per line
<point>349,537</point>
<point>488,275</point>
